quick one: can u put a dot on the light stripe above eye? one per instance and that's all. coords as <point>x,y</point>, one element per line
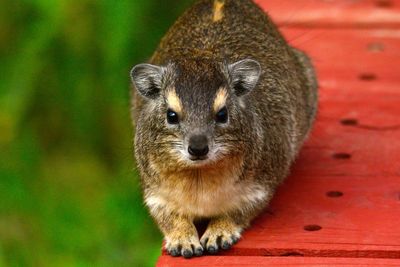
<point>220,99</point>
<point>173,101</point>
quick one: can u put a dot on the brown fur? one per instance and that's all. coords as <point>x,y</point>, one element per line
<point>251,154</point>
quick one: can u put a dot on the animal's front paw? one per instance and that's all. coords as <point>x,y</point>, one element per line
<point>184,244</point>
<point>220,233</point>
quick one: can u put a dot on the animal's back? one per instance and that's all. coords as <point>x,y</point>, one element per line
<point>220,29</point>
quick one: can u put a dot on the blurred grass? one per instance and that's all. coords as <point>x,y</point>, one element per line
<point>69,192</point>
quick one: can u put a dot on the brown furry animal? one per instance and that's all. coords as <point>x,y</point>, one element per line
<point>221,112</point>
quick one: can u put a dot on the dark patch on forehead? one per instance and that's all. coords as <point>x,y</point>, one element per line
<point>197,82</point>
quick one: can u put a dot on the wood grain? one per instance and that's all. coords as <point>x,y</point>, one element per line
<point>334,13</point>
<point>218,261</point>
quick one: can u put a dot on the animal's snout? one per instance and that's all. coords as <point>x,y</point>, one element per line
<point>198,146</point>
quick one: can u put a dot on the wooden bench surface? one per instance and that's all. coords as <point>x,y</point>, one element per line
<point>341,204</point>
<point>256,261</point>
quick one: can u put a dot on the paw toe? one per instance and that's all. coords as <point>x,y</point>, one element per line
<point>212,249</point>
<point>212,241</point>
<point>198,251</point>
<point>174,252</point>
<point>235,239</point>
<point>226,245</point>
<point>184,246</point>
<point>187,253</point>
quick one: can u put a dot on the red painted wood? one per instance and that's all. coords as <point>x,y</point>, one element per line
<point>334,13</point>
<point>372,143</point>
<point>218,261</point>
<point>361,223</point>
<point>345,184</point>
<point>346,55</point>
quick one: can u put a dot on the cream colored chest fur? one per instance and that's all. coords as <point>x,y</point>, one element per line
<point>205,194</point>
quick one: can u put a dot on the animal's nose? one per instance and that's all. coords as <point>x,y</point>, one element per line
<point>198,145</point>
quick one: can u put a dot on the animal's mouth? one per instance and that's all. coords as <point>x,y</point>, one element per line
<point>201,162</point>
<point>198,158</point>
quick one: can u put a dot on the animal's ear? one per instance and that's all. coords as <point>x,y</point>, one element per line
<point>244,75</point>
<point>147,79</point>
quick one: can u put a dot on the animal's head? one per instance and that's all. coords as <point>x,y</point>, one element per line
<point>198,105</point>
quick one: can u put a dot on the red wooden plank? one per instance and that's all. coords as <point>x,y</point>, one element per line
<point>363,222</point>
<point>220,261</point>
<point>356,133</point>
<point>363,57</point>
<point>337,13</point>
<point>370,105</point>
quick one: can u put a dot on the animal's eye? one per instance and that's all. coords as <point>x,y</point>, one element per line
<point>222,116</point>
<point>172,117</point>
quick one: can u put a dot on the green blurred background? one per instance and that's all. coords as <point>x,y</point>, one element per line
<point>69,191</point>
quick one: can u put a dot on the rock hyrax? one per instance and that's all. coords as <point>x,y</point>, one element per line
<point>221,111</point>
